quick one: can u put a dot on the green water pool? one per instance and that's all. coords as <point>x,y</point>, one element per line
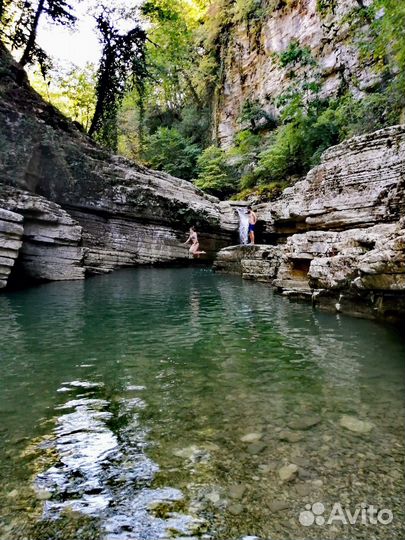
<point>176,403</point>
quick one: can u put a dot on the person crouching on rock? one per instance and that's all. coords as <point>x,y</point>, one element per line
<point>195,245</point>
<point>252,224</point>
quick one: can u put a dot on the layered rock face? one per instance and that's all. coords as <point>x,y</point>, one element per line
<point>82,209</point>
<point>340,233</point>
<point>46,241</point>
<point>11,231</point>
<point>251,58</point>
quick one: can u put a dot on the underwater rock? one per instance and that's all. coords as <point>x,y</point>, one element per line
<point>235,509</point>
<point>355,425</point>
<point>290,436</point>
<point>288,473</point>
<point>277,506</point>
<point>237,491</point>
<point>251,437</point>
<point>304,423</point>
<point>193,453</point>
<point>256,448</point>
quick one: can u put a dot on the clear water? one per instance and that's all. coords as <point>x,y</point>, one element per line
<point>125,400</point>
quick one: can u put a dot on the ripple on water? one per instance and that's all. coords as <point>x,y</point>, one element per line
<point>96,475</point>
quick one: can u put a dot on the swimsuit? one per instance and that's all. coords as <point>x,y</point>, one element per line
<point>252,227</point>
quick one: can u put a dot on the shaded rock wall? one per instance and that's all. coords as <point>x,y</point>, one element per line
<point>250,60</point>
<point>340,233</point>
<point>85,210</point>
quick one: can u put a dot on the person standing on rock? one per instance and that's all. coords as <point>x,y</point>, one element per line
<point>252,224</point>
<point>195,245</point>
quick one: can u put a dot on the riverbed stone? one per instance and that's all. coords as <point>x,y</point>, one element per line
<point>290,436</point>
<point>237,491</point>
<point>251,437</point>
<point>355,425</point>
<point>278,506</point>
<point>288,473</point>
<point>268,467</point>
<point>305,422</point>
<point>256,448</point>
<point>304,489</point>
<point>235,509</point>
<point>43,494</point>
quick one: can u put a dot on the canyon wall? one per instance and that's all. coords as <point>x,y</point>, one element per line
<point>70,208</point>
<point>338,236</point>
<point>331,32</point>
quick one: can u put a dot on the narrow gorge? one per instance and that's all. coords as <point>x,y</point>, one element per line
<point>70,209</point>
<point>202,269</point>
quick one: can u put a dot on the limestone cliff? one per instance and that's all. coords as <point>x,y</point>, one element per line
<point>339,235</point>
<point>326,52</point>
<point>73,208</point>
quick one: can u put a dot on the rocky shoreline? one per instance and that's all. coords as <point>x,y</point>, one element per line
<point>337,238</point>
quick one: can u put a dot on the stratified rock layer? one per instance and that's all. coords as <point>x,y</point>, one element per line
<point>45,240</point>
<point>11,231</point>
<point>340,233</point>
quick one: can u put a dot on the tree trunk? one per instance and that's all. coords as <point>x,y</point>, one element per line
<point>26,57</point>
<point>102,86</point>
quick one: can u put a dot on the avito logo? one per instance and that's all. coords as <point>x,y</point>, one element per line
<point>364,514</point>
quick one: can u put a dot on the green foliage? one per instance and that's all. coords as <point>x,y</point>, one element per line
<point>246,142</point>
<point>244,10</point>
<point>214,173</point>
<point>252,112</point>
<point>71,90</point>
<point>296,145</point>
<point>266,192</point>
<point>295,54</point>
<point>167,150</point>
<point>326,6</point>
<point>389,31</point>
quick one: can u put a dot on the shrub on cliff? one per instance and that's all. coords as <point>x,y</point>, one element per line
<point>295,146</point>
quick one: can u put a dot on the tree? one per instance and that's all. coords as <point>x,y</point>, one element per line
<point>71,90</point>
<point>23,19</point>
<point>122,67</point>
